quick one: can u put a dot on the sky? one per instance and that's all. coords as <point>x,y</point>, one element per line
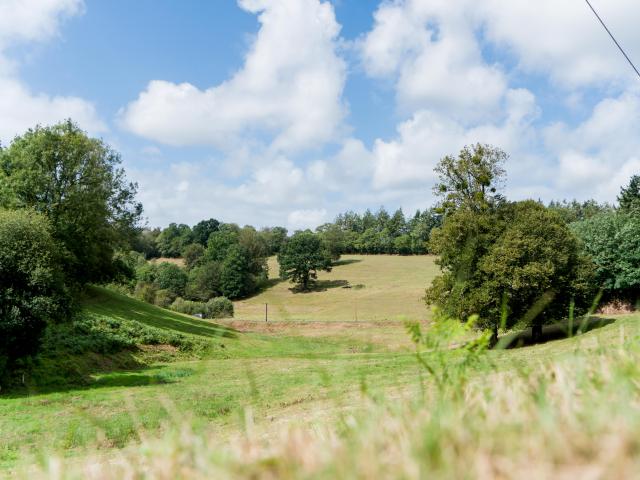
<point>287,112</point>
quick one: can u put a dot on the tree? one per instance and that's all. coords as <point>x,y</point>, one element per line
<point>629,198</point>
<point>202,230</point>
<point>172,240</point>
<point>32,292</point>
<point>473,179</point>
<point>221,241</point>
<point>172,278</point>
<point>397,225</point>
<point>333,239</point>
<point>301,257</point>
<point>274,237</point>
<point>612,240</point>
<point>236,280</point>
<point>192,254</point>
<point>519,257</point>
<point>575,211</point>
<point>145,243</point>
<point>403,245</point>
<point>204,282</point>
<point>76,182</point>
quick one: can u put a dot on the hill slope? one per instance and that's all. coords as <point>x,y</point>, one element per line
<point>360,287</point>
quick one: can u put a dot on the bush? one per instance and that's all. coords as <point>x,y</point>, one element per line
<point>188,307</point>
<point>164,298</point>
<point>220,307</point>
<point>32,292</point>
<point>146,292</point>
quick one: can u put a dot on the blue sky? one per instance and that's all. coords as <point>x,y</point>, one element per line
<point>287,112</point>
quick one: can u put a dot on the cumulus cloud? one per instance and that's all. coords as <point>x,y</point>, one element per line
<point>431,50</point>
<point>599,155</point>
<point>24,21</point>
<point>289,87</point>
<point>563,39</point>
<point>434,52</point>
<point>409,160</point>
<point>303,219</point>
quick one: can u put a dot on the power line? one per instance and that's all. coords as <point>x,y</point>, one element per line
<point>613,38</point>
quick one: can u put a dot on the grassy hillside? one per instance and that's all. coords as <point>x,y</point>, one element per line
<point>325,397</point>
<point>383,287</point>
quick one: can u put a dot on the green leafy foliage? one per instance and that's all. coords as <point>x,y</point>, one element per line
<point>219,307</point>
<point>204,281</point>
<point>76,182</point>
<point>203,230</point>
<point>32,292</point>
<point>301,257</point>
<point>236,280</point>
<point>575,211</point>
<point>192,254</point>
<point>171,277</point>
<point>517,256</point>
<point>172,241</point>
<point>612,240</point>
<point>379,233</point>
<point>472,179</point>
<point>629,198</point>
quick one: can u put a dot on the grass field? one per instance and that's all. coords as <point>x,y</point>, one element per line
<point>382,287</point>
<point>329,397</point>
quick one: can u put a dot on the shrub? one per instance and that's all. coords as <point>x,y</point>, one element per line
<point>164,298</point>
<point>220,307</point>
<point>146,292</point>
<point>32,292</point>
<point>188,307</point>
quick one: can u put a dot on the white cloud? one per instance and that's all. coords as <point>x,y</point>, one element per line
<point>409,160</point>
<point>289,87</point>
<point>303,219</point>
<point>33,20</point>
<point>24,21</point>
<point>431,51</point>
<point>599,155</point>
<point>564,39</point>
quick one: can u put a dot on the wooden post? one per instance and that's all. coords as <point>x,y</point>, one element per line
<point>266,312</point>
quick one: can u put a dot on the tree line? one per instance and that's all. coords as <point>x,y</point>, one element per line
<point>69,217</point>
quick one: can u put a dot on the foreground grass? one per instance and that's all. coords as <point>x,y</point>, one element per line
<point>272,371</point>
<point>566,409</point>
<point>382,287</point>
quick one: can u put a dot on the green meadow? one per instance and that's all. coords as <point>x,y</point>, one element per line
<point>306,369</point>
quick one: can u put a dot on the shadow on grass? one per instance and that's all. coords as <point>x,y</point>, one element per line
<point>346,261</point>
<point>125,378</point>
<point>557,331</point>
<point>321,286</point>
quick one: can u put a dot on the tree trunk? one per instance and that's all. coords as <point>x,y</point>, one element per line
<point>536,333</point>
<point>493,341</point>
